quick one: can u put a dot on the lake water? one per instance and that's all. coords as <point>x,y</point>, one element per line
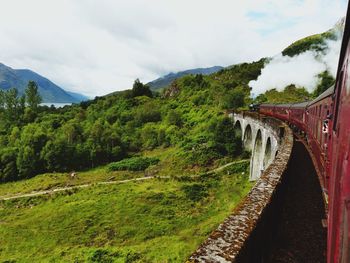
<point>57,105</point>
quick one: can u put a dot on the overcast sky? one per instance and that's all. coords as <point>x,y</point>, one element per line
<point>99,46</point>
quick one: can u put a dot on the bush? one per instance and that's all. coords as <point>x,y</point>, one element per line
<point>195,192</point>
<point>238,167</point>
<point>133,164</point>
<point>101,255</point>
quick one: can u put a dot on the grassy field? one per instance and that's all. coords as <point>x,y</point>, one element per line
<point>151,221</point>
<point>170,165</point>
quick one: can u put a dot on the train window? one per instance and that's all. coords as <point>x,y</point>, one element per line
<point>339,86</point>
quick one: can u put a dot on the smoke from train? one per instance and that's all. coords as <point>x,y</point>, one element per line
<point>300,70</point>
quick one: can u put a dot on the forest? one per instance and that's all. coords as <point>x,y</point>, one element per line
<point>190,114</point>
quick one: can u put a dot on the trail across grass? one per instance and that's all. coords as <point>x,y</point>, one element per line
<point>52,191</point>
<point>61,189</point>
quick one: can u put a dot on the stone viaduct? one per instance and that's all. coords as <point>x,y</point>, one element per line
<point>236,239</point>
<point>259,138</point>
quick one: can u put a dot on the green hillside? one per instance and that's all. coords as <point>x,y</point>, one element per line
<point>315,42</point>
<point>176,136</point>
<point>160,220</point>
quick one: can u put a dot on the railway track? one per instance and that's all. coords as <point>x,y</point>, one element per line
<point>299,235</point>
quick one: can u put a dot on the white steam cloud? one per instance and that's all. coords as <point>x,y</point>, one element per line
<point>300,70</point>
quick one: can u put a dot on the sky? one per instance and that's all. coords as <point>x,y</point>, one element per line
<point>95,47</point>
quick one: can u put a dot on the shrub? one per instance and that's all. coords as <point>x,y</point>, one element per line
<point>195,192</point>
<point>101,255</point>
<point>133,164</point>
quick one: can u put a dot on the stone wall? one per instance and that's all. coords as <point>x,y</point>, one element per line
<point>241,237</point>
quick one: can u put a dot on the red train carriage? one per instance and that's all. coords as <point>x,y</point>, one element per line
<point>318,124</point>
<point>339,186</point>
<point>267,109</point>
<point>297,116</point>
<point>325,122</point>
<point>281,111</point>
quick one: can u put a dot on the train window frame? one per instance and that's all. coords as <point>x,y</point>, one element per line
<point>337,93</point>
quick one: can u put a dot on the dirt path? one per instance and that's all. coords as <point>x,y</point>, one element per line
<point>61,189</point>
<point>36,193</point>
<point>226,165</point>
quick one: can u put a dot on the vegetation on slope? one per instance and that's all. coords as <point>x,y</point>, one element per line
<point>326,80</point>
<point>315,42</point>
<point>151,221</point>
<point>290,94</point>
<point>108,129</point>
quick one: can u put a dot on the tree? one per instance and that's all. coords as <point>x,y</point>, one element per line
<point>14,106</point>
<point>173,118</point>
<point>58,155</point>
<point>33,97</point>
<point>326,80</point>
<point>33,139</point>
<point>2,99</point>
<point>149,136</point>
<point>234,99</point>
<point>139,89</point>
<point>8,168</point>
<point>227,141</point>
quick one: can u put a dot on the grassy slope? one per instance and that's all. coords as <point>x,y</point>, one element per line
<point>153,221</point>
<point>314,42</point>
<point>171,164</point>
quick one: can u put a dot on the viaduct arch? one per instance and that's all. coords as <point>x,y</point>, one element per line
<point>259,138</point>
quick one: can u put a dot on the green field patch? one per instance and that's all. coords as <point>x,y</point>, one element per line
<point>150,221</point>
<point>133,164</point>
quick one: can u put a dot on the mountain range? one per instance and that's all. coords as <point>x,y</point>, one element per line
<point>166,80</point>
<point>49,91</point>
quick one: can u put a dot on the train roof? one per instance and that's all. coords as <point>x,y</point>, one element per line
<point>283,105</point>
<point>300,104</point>
<point>275,105</point>
<point>328,92</point>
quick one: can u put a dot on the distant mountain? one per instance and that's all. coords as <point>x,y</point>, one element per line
<point>78,96</point>
<point>166,80</point>
<point>49,91</point>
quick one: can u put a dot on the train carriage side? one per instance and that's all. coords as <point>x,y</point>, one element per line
<point>297,116</point>
<point>339,187</point>
<point>282,111</point>
<point>318,127</point>
<point>267,109</point>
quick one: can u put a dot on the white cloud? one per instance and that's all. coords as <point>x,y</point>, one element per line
<point>99,46</point>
